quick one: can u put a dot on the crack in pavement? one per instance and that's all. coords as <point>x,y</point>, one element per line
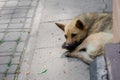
<point>54,21</point>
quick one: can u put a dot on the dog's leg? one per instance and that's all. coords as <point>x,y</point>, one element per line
<point>80,55</point>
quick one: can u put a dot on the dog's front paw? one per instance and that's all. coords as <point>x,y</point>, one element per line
<point>67,55</point>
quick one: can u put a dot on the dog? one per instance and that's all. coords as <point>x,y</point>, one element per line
<point>92,47</point>
<point>87,34</point>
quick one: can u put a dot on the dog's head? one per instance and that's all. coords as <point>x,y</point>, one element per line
<point>75,33</point>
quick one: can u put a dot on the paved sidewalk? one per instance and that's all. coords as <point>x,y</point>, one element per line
<point>29,36</point>
<point>15,25</point>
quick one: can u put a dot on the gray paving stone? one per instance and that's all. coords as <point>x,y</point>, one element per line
<point>28,20</point>
<point>24,36</point>
<point>31,12</point>
<point>1,4</point>
<point>15,60</point>
<point>2,30</point>
<point>24,3</point>
<point>16,25</point>
<point>7,46</point>
<point>10,77</point>
<point>12,69</point>
<point>11,8</point>
<point>1,36</point>
<point>18,54</point>
<point>17,20</point>
<point>9,54</point>
<point>5,54</point>
<point>11,3</point>
<point>5,16</point>
<point>14,30</point>
<point>18,15</point>
<point>5,59</point>
<point>7,11</point>
<point>3,68</point>
<point>3,26</point>
<point>22,7</point>
<point>34,3</point>
<point>2,21</point>
<point>20,46</point>
<point>19,30</point>
<point>30,15</point>
<point>27,26</point>
<point>1,76</point>
<point>3,0</point>
<point>12,36</point>
<point>20,10</point>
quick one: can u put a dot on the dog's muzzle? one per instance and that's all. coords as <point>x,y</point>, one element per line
<point>69,46</point>
<point>72,46</point>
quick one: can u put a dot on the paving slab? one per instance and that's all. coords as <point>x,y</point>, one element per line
<point>4,21</point>
<point>2,69</point>
<point>1,4</point>
<point>53,36</point>
<point>11,3</point>
<point>7,46</point>
<point>20,47</point>
<point>1,75</point>
<point>17,25</point>
<point>3,26</point>
<point>9,54</point>
<point>10,77</point>
<point>6,16</point>
<point>59,9</point>
<point>57,65</point>
<point>1,35</point>
<point>12,36</point>
<point>9,11</point>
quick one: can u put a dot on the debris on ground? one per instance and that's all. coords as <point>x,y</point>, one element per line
<point>28,73</point>
<point>42,71</point>
<point>64,72</point>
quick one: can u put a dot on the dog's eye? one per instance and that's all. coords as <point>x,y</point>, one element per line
<point>73,35</point>
<point>66,36</point>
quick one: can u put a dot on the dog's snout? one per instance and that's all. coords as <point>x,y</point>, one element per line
<point>68,46</point>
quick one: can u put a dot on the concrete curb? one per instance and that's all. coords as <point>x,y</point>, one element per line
<point>27,57</point>
<point>98,69</point>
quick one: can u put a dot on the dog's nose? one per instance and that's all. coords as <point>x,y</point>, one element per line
<point>67,46</point>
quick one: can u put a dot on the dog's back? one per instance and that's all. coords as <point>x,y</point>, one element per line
<point>96,22</point>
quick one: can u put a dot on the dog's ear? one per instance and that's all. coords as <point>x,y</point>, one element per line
<point>79,25</point>
<point>61,26</point>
